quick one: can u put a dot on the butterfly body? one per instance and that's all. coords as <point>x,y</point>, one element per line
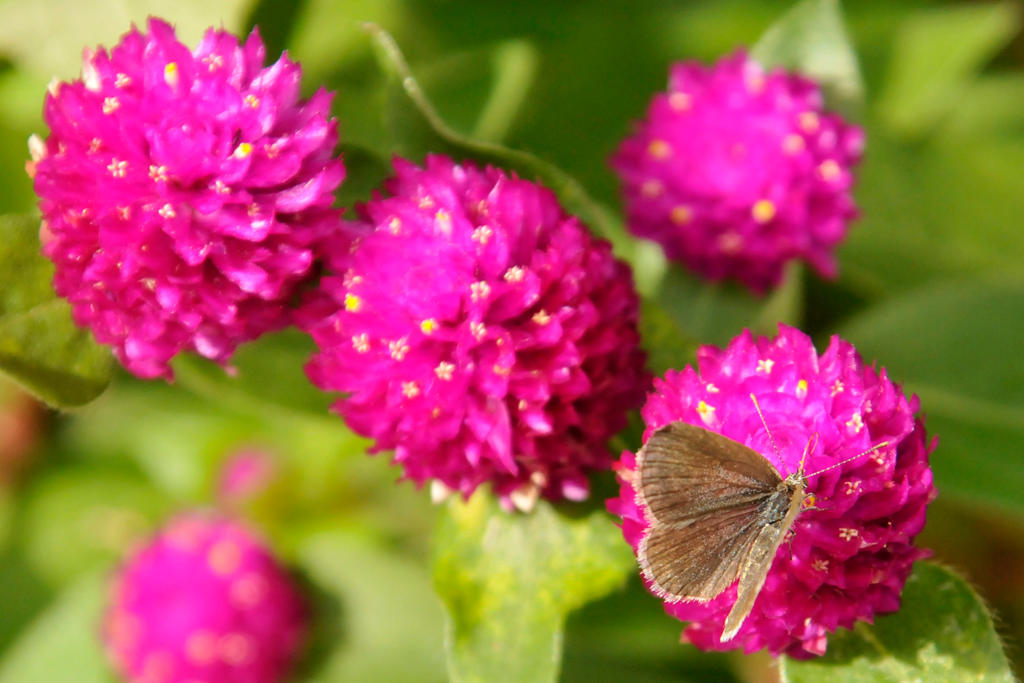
<point>719,512</point>
<point>776,506</point>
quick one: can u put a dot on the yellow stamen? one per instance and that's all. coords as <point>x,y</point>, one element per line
<point>679,101</point>
<point>171,75</point>
<point>224,557</point>
<point>793,144</point>
<point>830,170</point>
<point>681,215</point>
<point>706,412</point>
<point>801,388</point>
<point>444,371</point>
<point>808,121</point>
<point>659,149</point>
<point>763,210</point>
<point>651,188</point>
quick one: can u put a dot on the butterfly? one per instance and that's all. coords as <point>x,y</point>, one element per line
<point>719,511</point>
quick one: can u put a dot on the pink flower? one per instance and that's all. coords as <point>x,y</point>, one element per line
<point>848,556</point>
<point>183,193</point>
<point>204,600</point>
<point>245,475</point>
<point>735,172</point>
<point>481,333</point>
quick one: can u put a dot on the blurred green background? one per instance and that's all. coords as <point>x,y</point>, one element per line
<point>931,285</point>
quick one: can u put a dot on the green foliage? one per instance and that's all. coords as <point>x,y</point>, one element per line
<point>329,34</point>
<point>942,633</point>
<point>40,346</point>
<point>957,346</point>
<point>715,313</point>
<point>811,39</point>
<point>60,646</point>
<point>19,118</point>
<point>952,203</point>
<point>570,192</point>
<point>384,624</point>
<point>265,377</point>
<point>46,36</point>
<point>508,581</point>
<point>937,53</point>
<point>930,286</point>
<point>515,67</point>
<point>621,638</point>
<point>75,521</point>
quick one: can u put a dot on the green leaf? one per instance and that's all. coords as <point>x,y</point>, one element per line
<point>937,53</point>
<point>41,348</point>
<point>176,440</point>
<point>785,304</point>
<point>936,211</point>
<point>364,172</point>
<point>508,581</point>
<point>62,645</point>
<point>669,346</point>
<point>180,440</point>
<point>990,106</point>
<point>415,105</point>
<point>649,266</point>
<point>390,623</point>
<point>943,632</point>
<point>714,313</point>
<point>19,118</point>
<point>328,34</point>
<point>811,39</point>
<point>7,512</point>
<point>266,376</point>
<point>515,66</point>
<point>22,593</point>
<point>48,36</point>
<point>957,346</point>
<point>76,520</point>
<point>626,636</point>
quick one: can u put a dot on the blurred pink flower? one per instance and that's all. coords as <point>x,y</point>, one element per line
<point>736,172</point>
<point>244,475</point>
<point>204,601</point>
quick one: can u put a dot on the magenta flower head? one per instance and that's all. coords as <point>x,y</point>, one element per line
<point>735,172</point>
<point>480,332</point>
<point>851,548</point>
<point>204,601</point>
<point>183,193</point>
<point>245,475</point>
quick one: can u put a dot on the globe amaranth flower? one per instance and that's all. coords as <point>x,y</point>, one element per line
<point>204,601</point>
<point>849,554</point>
<point>245,475</point>
<point>480,332</point>
<point>735,172</point>
<point>183,193</point>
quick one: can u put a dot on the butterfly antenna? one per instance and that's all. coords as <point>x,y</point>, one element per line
<point>757,407</point>
<point>834,465</point>
<point>812,443</point>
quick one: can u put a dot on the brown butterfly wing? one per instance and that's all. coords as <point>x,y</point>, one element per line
<point>755,566</point>
<point>700,559</point>
<point>687,472</point>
